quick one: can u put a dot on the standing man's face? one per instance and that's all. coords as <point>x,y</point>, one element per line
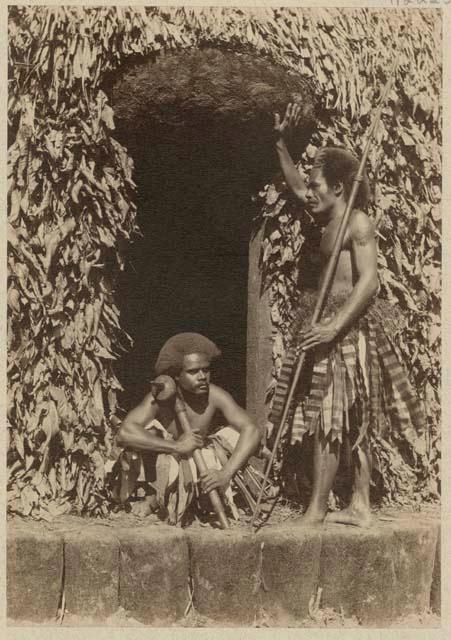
<point>195,374</point>
<point>320,197</point>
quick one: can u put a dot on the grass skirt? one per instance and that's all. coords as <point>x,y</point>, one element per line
<point>176,480</point>
<point>356,383</point>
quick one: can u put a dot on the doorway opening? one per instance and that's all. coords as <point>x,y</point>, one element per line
<point>200,156</point>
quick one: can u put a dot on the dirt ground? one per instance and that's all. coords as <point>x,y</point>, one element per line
<point>282,513</point>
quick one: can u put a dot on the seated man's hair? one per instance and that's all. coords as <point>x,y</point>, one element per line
<point>340,165</point>
<point>170,358</point>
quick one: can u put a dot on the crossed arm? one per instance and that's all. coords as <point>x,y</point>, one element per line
<point>134,435</point>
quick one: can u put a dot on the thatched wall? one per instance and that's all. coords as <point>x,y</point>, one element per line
<point>72,212</point>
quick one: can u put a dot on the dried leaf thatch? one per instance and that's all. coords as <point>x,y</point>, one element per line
<point>72,212</point>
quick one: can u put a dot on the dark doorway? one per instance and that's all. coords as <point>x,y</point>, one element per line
<point>189,270</point>
<point>198,127</point>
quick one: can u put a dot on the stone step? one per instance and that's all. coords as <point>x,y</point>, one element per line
<point>156,572</point>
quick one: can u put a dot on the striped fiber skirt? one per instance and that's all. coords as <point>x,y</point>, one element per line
<point>175,481</point>
<point>360,371</point>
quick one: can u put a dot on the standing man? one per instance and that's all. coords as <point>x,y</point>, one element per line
<point>152,428</point>
<point>354,379</point>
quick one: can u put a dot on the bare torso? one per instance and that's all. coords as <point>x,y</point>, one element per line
<point>200,413</point>
<point>345,274</point>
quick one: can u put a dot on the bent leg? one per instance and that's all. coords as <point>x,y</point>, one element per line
<point>125,481</point>
<point>130,465</point>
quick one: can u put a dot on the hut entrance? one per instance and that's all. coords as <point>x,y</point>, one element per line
<point>189,270</point>
<point>202,148</point>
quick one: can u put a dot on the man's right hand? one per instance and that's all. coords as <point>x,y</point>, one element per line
<point>188,442</point>
<point>291,119</point>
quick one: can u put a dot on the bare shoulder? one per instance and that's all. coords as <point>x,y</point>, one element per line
<point>149,401</point>
<point>220,397</point>
<point>150,406</point>
<point>145,411</point>
<point>361,227</point>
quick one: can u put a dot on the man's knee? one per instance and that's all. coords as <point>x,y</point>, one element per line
<point>125,475</point>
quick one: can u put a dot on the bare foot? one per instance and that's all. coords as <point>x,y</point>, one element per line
<point>144,507</point>
<point>310,519</point>
<point>357,517</point>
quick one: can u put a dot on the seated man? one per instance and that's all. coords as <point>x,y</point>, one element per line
<point>152,430</point>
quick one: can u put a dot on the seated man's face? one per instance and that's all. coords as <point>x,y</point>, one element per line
<point>195,374</point>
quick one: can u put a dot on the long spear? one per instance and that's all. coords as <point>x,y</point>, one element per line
<point>329,275</point>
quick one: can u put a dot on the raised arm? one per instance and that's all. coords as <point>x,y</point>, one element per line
<point>364,256</point>
<point>283,129</point>
<point>132,433</point>
<point>247,444</point>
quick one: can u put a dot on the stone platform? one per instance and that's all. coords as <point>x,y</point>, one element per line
<point>157,572</point>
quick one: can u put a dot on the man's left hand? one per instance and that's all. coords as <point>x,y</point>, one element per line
<point>322,332</point>
<point>215,479</point>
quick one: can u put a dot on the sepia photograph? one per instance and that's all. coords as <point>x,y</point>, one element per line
<point>224,299</point>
